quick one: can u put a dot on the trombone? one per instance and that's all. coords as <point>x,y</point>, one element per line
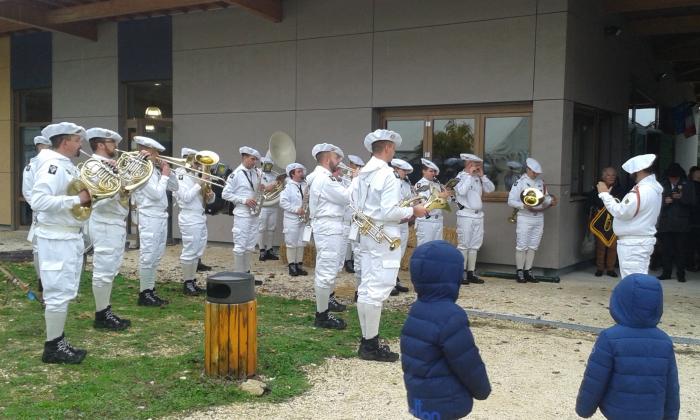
<point>206,158</point>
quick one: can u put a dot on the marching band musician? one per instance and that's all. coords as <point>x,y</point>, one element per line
<point>107,232</point>
<point>429,228</point>
<point>192,221</point>
<point>242,190</point>
<point>28,177</point>
<point>470,216</point>
<point>636,215</point>
<point>402,169</point>
<point>327,201</point>
<point>530,221</point>
<point>152,203</point>
<point>292,202</point>
<point>376,192</point>
<point>268,214</point>
<point>59,236</point>
<point>355,163</point>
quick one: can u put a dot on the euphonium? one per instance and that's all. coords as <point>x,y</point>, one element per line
<point>368,227</point>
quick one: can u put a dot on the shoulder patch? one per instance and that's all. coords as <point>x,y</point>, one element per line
<point>180,177</point>
<point>28,167</point>
<point>52,169</point>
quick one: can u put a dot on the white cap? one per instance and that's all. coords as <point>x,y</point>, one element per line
<point>638,163</point>
<point>381,134</point>
<point>402,164</point>
<point>41,140</point>
<point>293,166</point>
<point>267,159</point>
<point>186,151</point>
<point>431,165</point>
<point>514,165</point>
<point>149,142</point>
<point>326,147</point>
<point>533,165</point>
<point>103,133</point>
<point>245,150</point>
<point>62,128</point>
<point>470,157</point>
<point>356,160</point>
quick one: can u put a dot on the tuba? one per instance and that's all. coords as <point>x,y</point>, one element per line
<point>283,152</point>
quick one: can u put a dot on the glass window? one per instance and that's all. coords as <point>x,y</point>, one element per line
<point>412,135</point>
<point>585,140</point>
<point>35,105</point>
<point>141,95</point>
<point>506,146</point>
<point>450,138</point>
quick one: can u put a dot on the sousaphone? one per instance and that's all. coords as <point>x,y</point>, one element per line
<point>283,152</point>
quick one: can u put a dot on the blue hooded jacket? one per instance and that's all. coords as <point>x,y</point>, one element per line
<point>631,373</point>
<point>441,364</point>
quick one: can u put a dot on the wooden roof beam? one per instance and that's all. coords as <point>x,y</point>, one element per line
<point>114,8</point>
<point>627,6</point>
<point>268,9</point>
<point>35,15</point>
<point>666,25</point>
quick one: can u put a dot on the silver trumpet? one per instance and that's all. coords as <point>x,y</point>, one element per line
<point>368,227</point>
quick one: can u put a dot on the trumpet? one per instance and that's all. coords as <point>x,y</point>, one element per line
<point>345,170</point>
<point>368,227</point>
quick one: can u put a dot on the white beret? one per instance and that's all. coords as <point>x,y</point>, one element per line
<point>638,163</point>
<point>41,140</point>
<point>149,142</point>
<point>186,151</point>
<point>103,133</point>
<point>431,165</point>
<point>381,134</point>
<point>326,147</point>
<point>245,150</point>
<point>533,165</point>
<point>514,165</point>
<point>62,128</point>
<point>293,166</point>
<point>402,164</point>
<point>356,160</point>
<point>470,157</point>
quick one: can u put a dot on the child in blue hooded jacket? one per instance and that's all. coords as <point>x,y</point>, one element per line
<point>442,367</point>
<point>632,373</point>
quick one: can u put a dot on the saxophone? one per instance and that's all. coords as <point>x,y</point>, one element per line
<point>259,196</point>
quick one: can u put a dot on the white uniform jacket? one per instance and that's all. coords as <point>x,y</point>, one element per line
<point>189,195</point>
<point>291,199</point>
<point>151,199</point>
<point>468,193</point>
<point>637,213</point>
<point>328,200</point>
<point>240,186</point>
<point>377,193</point>
<point>435,215</point>
<point>29,175</point>
<point>108,210</point>
<point>523,183</point>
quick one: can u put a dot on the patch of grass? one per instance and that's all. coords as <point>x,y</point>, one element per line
<point>156,367</point>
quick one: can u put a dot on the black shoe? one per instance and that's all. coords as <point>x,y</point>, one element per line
<point>203,267</point>
<point>59,350</point>
<point>530,277</point>
<point>258,282</point>
<point>263,255</point>
<point>149,298</point>
<point>465,279</point>
<point>328,320</point>
<point>371,350</point>
<point>301,271</point>
<point>350,266</point>
<point>400,287</point>
<point>293,270</point>
<point>520,276</point>
<point>190,288</point>
<point>269,255</point>
<point>334,305</point>
<point>611,273</point>
<point>598,273</point>
<point>108,320</point>
<point>473,278</point>
<point>394,292</point>
<point>664,276</point>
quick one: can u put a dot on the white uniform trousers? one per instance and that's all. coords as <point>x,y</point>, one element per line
<point>528,232</point>
<point>380,267</point>
<point>404,238</point>
<point>347,243</point>
<point>634,254</point>
<point>329,250</point>
<point>293,230</point>
<point>61,262</point>
<point>470,233</point>
<point>153,233</point>
<point>245,234</point>
<point>267,226</point>
<point>428,230</point>
<point>193,228</point>
<point>108,250</point>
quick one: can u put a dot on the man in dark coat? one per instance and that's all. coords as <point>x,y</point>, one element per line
<point>606,256</point>
<point>674,221</point>
<point>443,370</point>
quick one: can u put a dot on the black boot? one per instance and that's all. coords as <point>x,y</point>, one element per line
<point>202,267</point>
<point>530,277</point>
<point>400,287</point>
<point>301,271</point>
<point>680,275</point>
<point>520,276</point>
<point>394,292</point>
<point>190,288</point>
<point>350,266</point>
<point>371,350</point>
<point>473,278</point>
<point>269,255</point>
<point>263,255</point>
<point>334,305</point>
<point>465,279</point>
<point>109,320</point>
<point>149,298</point>
<point>328,320</point>
<point>293,270</point>
<point>59,350</point>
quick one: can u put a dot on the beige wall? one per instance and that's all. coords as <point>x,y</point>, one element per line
<point>6,166</point>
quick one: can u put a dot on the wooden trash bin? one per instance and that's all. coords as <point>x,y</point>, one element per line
<point>230,326</point>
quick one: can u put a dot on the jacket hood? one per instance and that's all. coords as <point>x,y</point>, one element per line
<point>651,182</point>
<point>637,301</point>
<point>436,271</point>
<point>373,165</point>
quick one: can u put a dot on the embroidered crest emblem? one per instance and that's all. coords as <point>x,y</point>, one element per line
<point>52,169</point>
<point>180,177</point>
